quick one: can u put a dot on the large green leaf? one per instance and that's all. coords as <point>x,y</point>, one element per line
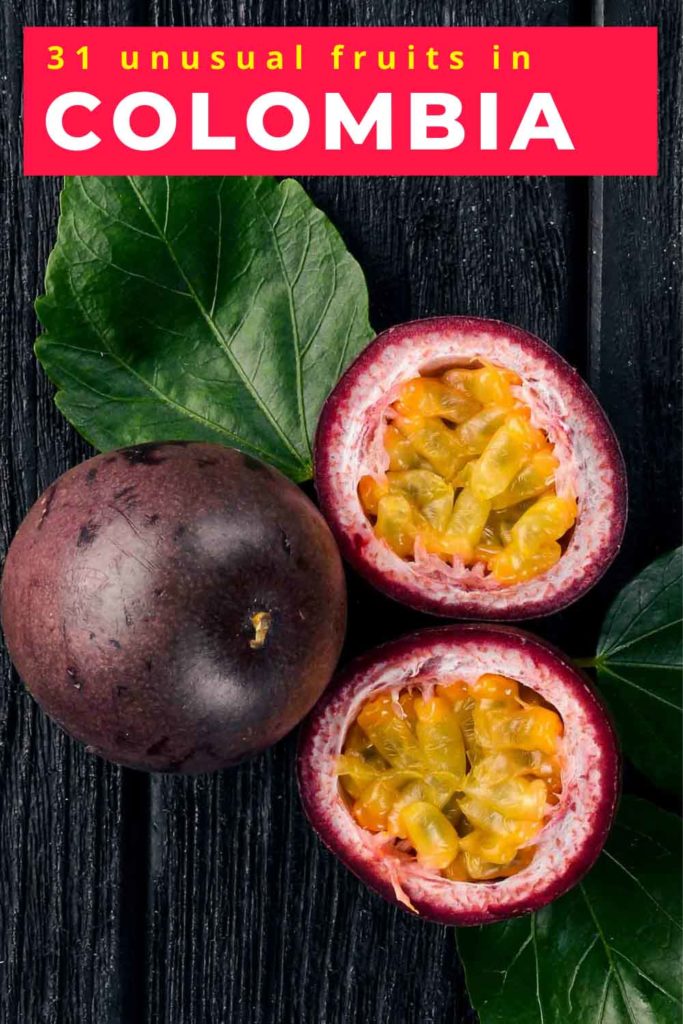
<point>640,668</point>
<point>609,952</point>
<point>217,309</point>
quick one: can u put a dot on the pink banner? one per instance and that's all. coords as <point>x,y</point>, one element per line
<point>340,101</point>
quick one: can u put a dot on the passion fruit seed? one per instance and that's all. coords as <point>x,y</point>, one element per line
<point>539,817</point>
<point>470,478</point>
<point>463,777</point>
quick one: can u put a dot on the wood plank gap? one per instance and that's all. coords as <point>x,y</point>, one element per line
<point>595,273</point>
<point>596,249</point>
<point>582,13</point>
<point>135,894</point>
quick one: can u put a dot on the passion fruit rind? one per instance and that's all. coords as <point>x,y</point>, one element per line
<point>176,606</point>
<point>349,446</point>
<point>574,835</point>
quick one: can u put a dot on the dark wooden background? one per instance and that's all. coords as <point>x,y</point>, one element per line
<point>127,899</point>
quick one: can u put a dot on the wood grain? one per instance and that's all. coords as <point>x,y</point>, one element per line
<point>253,920</point>
<point>63,839</point>
<point>209,901</point>
<point>635,351</point>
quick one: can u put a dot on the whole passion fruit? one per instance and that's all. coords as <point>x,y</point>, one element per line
<point>467,470</point>
<point>468,773</point>
<point>176,606</point>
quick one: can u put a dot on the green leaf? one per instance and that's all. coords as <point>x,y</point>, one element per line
<point>609,952</point>
<point>640,668</point>
<point>215,309</point>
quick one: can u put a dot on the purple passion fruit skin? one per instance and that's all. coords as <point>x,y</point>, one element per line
<point>576,827</point>
<point>349,447</point>
<point>175,606</point>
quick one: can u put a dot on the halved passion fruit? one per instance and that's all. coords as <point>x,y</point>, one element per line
<point>467,470</point>
<point>469,773</point>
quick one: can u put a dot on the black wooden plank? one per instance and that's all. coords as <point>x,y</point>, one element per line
<point>635,349</point>
<point>635,327</point>
<point>62,858</point>
<point>252,920</point>
<point>59,808</point>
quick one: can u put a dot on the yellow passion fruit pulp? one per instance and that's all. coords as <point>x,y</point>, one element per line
<point>461,777</point>
<point>470,478</point>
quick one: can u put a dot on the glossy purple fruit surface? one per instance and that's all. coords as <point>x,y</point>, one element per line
<point>175,606</point>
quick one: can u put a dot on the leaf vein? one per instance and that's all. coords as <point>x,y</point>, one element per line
<point>646,607</point>
<point>610,959</point>
<point>640,885</point>
<point>537,969</point>
<point>326,307</point>
<point>124,270</point>
<point>167,210</point>
<point>575,972</point>
<point>218,335</point>
<point>641,689</point>
<point>646,977</point>
<point>219,427</point>
<point>603,999</point>
<point>610,652</point>
<point>219,247</point>
<point>272,227</point>
<point>110,217</point>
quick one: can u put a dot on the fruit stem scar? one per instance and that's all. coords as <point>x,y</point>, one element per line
<point>261,622</point>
